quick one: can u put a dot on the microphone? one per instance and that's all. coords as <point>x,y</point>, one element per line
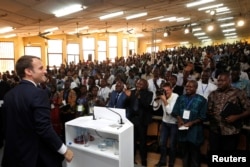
<point>121,122</point>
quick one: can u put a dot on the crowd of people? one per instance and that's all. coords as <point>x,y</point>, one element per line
<point>185,86</point>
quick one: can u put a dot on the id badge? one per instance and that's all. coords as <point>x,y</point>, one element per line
<point>186,114</point>
<point>80,108</point>
<point>64,102</point>
<point>52,106</point>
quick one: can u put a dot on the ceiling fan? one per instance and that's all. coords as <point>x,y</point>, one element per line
<point>129,31</point>
<point>78,34</point>
<point>42,34</point>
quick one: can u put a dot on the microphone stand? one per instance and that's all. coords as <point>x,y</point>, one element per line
<point>121,121</point>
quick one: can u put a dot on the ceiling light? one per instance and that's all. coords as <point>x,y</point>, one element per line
<point>51,29</point>
<point>155,18</point>
<point>240,23</point>
<point>111,15</point>
<point>69,10</point>
<point>210,28</point>
<point>230,34</point>
<point>199,34</point>
<point>157,41</point>
<point>200,2</point>
<point>184,43</point>
<point>136,15</point>
<point>203,37</point>
<point>212,12</point>
<point>229,30</point>
<point>83,28</point>
<point>166,33</point>
<point>182,19</point>
<point>5,29</point>
<point>210,7</point>
<point>196,29</point>
<point>221,13</point>
<point>187,30</point>
<point>223,9</point>
<point>206,40</point>
<point>225,18</point>
<point>168,19</point>
<point>227,25</point>
<point>10,36</point>
<point>232,37</point>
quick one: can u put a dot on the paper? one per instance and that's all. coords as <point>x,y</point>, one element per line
<point>183,128</point>
<point>186,114</point>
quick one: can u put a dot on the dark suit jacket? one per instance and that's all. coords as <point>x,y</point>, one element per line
<point>29,135</point>
<point>120,102</point>
<point>144,110</point>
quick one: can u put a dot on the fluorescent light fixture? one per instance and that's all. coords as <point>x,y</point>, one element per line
<point>10,36</point>
<point>51,29</point>
<point>221,13</point>
<point>210,7</point>
<point>157,41</point>
<point>199,34</point>
<point>196,29</point>
<point>69,10</point>
<point>230,34</point>
<point>229,30</point>
<point>184,42</point>
<point>155,18</point>
<point>136,16</point>
<point>111,15</point>
<point>6,29</point>
<point>200,2</point>
<point>168,19</point>
<point>225,18</point>
<point>203,37</point>
<point>182,19</point>
<point>83,28</point>
<point>227,25</point>
<point>206,40</point>
<point>223,9</point>
<point>232,37</point>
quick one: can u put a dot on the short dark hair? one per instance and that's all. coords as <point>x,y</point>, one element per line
<point>167,84</point>
<point>23,63</point>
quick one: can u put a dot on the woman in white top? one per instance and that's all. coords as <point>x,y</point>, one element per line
<point>169,126</point>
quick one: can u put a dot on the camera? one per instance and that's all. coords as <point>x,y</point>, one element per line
<point>159,92</point>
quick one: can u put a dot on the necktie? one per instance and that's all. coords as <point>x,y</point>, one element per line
<point>116,98</point>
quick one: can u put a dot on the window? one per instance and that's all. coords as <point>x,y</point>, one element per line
<point>131,48</point>
<point>124,47</point>
<point>152,49</point>
<point>7,56</point>
<point>33,50</point>
<point>102,51</point>
<point>73,52</point>
<point>112,47</point>
<point>88,49</point>
<point>55,53</point>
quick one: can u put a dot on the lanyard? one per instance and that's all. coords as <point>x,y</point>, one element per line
<point>203,90</point>
<point>189,101</point>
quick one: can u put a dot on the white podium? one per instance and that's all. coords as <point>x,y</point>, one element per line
<point>105,129</point>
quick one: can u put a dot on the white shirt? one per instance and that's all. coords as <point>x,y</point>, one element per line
<point>205,89</point>
<point>167,109</point>
<point>104,92</point>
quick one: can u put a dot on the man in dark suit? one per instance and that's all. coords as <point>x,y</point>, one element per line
<point>30,140</point>
<point>118,96</point>
<point>139,111</point>
<point>4,88</point>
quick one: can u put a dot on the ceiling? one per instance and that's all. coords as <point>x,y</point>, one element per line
<point>29,17</point>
